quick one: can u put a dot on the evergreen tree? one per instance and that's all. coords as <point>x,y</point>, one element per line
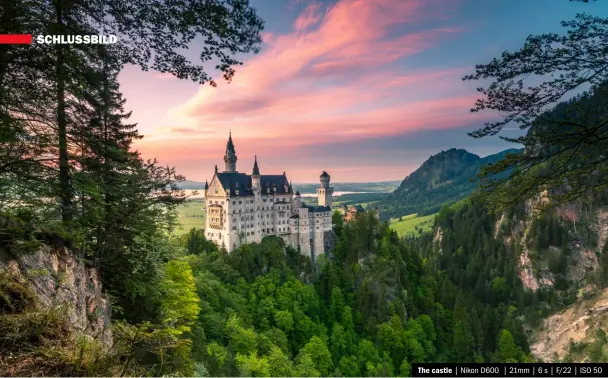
<point>507,350</point>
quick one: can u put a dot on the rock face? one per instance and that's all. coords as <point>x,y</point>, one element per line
<point>59,278</point>
<point>577,323</point>
<point>587,233</point>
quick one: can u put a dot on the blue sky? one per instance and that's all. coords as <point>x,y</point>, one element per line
<point>367,89</point>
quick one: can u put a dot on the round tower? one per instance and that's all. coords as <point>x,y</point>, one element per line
<point>325,192</point>
<point>324,180</point>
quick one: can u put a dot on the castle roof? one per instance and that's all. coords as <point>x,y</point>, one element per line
<point>312,209</point>
<point>324,175</point>
<point>278,181</point>
<point>231,181</point>
<point>357,208</point>
<point>317,209</point>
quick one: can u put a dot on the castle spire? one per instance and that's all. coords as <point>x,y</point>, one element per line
<point>230,156</point>
<point>206,185</point>
<point>230,145</point>
<point>256,170</point>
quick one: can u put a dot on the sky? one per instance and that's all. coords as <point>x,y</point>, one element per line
<point>365,89</point>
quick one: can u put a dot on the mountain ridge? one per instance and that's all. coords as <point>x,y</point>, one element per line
<point>443,178</point>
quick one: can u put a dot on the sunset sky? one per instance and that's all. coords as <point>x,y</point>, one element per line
<point>365,89</point>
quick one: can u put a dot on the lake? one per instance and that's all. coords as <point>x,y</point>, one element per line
<point>201,193</point>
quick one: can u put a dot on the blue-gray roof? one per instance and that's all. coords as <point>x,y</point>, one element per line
<point>232,180</point>
<point>317,209</point>
<point>256,170</point>
<point>230,145</point>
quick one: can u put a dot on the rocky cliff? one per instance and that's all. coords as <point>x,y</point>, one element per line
<point>573,328</point>
<point>58,278</point>
<point>572,259</point>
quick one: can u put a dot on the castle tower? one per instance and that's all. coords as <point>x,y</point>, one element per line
<point>297,202</point>
<point>325,192</point>
<point>230,156</point>
<point>255,175</point>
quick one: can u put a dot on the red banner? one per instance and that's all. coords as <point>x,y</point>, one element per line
<point>15,39</point>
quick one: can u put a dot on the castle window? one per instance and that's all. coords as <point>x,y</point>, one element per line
<point>234,202</point>
<point>240,202</point>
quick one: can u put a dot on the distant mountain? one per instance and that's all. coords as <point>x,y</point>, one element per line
<point>357,187</point>
<point>187,184</point>
<point>444,178</point>
<point>309,188</point>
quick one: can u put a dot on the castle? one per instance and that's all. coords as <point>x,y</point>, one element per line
<point>242,208</point>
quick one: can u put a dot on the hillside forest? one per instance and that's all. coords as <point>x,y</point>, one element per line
<point>70,180</point>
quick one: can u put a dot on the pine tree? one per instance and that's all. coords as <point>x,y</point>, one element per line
<point>507,350</point>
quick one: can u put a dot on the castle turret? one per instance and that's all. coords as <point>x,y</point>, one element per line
<point>255,175</point>
<point>297,202</point>
<point>325,192</point>
<point>230,156</point>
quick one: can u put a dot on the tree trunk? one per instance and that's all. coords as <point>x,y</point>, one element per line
<point>4,56</point>
<point>65,189</point>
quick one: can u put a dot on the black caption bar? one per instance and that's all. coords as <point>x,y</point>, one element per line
<point>510,370</point>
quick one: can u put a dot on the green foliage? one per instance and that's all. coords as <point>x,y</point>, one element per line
<point>565,143</point>
<point>195,242</point>
<point>372,308</point>
<point>507,350</point>
<point>15,297</point>
<point>68,170</point>
<point>18,233</point>
<point>33,334</point>
<point>412,224</point>
<point>444,178</point>
<point>180,304</point>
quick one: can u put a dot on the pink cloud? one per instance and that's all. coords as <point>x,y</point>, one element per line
<point>267,37</point>
<point>309,17</point>
<point>333,76</point>
<point>351,35</point>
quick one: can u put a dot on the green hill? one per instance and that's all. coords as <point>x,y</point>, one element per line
<point>446,177</point>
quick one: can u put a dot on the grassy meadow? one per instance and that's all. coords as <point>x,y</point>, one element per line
<point>191,214</point>
<point>409,224</point>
